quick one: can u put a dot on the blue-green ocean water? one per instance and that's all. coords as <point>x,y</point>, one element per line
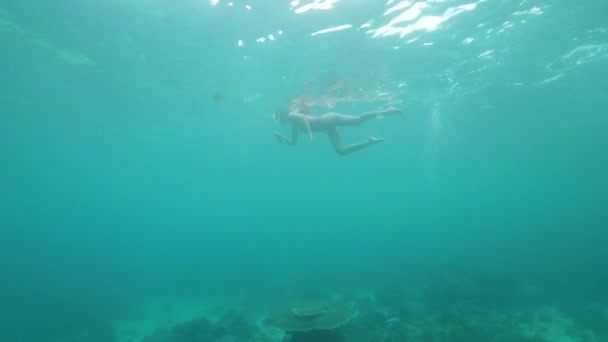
<point>138,163</point>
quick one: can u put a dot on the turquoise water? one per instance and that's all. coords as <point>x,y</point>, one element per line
<point>140,177</point>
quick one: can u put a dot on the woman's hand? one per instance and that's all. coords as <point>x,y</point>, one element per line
<point>278,136</point>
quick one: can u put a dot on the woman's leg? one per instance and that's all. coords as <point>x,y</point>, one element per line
<point>336,120</point>
<point>336,141</point>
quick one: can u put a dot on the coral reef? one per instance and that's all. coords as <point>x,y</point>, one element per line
<point>449,304</point>
<point>232,326</point>
<point>455,324</point>
<point>454,304</point>
<point>311,320</point>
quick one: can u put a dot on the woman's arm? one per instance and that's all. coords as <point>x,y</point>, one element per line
<point>307,125</point>
<point>294,136</point>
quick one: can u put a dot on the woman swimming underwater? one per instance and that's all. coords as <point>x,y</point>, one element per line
<point>329,123</point>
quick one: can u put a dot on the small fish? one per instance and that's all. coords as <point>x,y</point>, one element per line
<point>217,97</point>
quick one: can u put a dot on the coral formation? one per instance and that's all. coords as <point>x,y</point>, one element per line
<point>450,304</point>
<point>311,320</point>
<point>232,326</point>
